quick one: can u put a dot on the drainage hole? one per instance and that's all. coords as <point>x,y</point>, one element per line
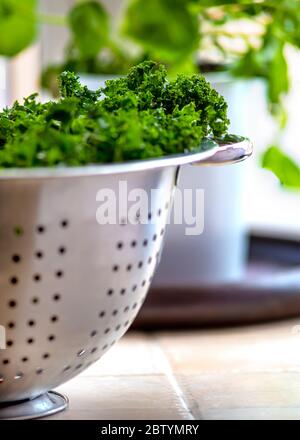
<point>40,229</point>
<point>18,231</point>
<point>67,368</point>
<point>62,250</point>
<point>14,280</point>
<point>12,304</point>
<point>19,376</point>
<point>39,254</point>
<point>64,223</point>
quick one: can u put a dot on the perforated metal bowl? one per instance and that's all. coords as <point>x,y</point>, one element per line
<point>70,288</point>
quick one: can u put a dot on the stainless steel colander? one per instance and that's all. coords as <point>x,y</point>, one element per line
<point>70,288</point>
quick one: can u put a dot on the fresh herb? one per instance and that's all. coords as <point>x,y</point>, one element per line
<point>139,116</point>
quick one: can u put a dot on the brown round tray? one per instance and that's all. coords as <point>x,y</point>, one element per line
<point>269,291</point>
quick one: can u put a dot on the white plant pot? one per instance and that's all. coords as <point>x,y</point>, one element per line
<point>219,253</point>
<point>93,82</point>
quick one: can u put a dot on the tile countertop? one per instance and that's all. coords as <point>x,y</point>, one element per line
<point>240,373</point>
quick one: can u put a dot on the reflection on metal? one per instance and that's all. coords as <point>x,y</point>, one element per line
<point>2,338</point>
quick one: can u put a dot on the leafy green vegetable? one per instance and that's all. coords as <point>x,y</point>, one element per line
<point>90,28</point>
<point>18,25</point>
<point>167,29</point>
<point>138,116</point>
<point>284,168</point>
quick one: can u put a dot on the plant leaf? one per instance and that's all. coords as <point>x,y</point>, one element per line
<point>18,25</point>
<point>278,73</point>
<point>166,29</point>
<point>284,168</point>
<point>89,24</point>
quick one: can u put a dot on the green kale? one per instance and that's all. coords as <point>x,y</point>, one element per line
<point>142,115</point>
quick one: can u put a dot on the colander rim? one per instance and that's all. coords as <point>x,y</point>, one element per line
<point>118,167</point>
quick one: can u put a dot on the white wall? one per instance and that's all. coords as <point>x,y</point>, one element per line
<point>3,67</point>
<point>271,209</point>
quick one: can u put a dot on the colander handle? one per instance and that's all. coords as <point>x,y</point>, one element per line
<point>229,154</point>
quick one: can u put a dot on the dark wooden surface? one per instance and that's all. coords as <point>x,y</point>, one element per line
<point>269,291</point>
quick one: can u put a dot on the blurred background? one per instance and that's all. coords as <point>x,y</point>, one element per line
<point>249,52</point>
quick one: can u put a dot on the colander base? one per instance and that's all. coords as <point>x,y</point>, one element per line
<point>42,406</point>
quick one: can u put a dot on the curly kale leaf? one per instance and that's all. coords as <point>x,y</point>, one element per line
<point>211,107</point>
<point>139,116</point>
<point>70,86</point>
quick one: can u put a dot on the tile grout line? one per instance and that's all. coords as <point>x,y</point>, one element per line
<point>168,372</point>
